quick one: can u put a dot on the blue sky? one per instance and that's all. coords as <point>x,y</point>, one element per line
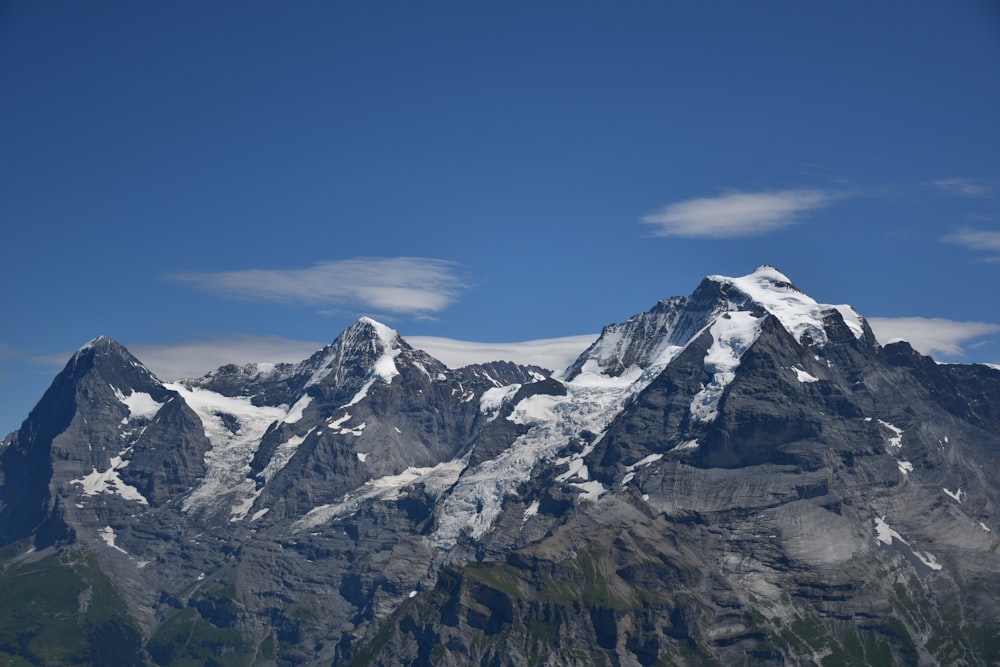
<point>251,177</point>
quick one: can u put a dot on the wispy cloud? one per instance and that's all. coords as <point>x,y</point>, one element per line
<point>981,240</point>
<point>962,187</point>
<point>195,358</point>
<point>931,335</point>
<point>402,285</point>
<point>552,353</point>
<point>192,359</point>
<point>735,214</point>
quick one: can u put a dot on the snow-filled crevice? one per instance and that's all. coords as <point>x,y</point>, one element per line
<point>732,335</point>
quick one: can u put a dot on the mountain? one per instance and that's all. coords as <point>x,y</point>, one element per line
<point>739,476</point>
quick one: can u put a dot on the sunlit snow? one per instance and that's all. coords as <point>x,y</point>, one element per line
<point>108,481</point>
<point>493,399</point>
<point>282,455</point>
<point>645,461</point>
<point>732,335</point>
<point>295,412</point>
<point>927,559</point>
<point>798,313</point>
<point>139,403</point>
<point>591,402</point>
<point>803,376</point>
<point>885,535</point>
<point>895,440</point>
<point>435,479</point>
<point>228,461</point>
<point>954,495</point>
<point>108,535</point>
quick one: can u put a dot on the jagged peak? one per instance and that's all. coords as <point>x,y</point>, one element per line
<point>366,343</point>
<point>101,343</point>
<point>387,335</point>
<point>800,314</point>
<point>111,362</point>
<point>105,347</point>
<point>653,337</point>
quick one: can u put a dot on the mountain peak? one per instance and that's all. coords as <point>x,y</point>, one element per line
<point>101,344</point>
<point>387,335</point>
<point>654,337</point>
<point>800,314</point>
<point>366,344</point>
<point>111,361</point>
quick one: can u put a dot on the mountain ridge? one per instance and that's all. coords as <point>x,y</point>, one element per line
<point>740,475</point>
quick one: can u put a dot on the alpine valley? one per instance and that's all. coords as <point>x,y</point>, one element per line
<point>739,476</point>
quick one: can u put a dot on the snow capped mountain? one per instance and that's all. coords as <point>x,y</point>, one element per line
<point>746,445</point>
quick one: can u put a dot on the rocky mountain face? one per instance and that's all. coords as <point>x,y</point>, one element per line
<point>740,476</point>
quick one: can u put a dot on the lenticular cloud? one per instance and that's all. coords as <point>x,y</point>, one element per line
<point>405,285</point>
<point>734,214</point>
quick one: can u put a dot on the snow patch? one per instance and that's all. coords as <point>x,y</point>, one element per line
<point>282,455</point>
<point>356,431</point>
<point>954,495</point>
<point>535,409</point>
<point>885,534</point>
<point>295,413</point>
<point>577,469</point>
<point>803,376</point>
<point>896,440</point>
<point>493,399</point>
<point>732,335</point>
<point>905,467</point>
<point>108,481</point>
<point>645,461</point>
<point>984,527</point>
<point>108,535</point>
<point>335,423</point>
<point>591,491</point>
<point>927,559</point>
<point>435,479</point>
<point>687,444</point>
<point>532,510</point>
<point>140,404</point>
<point>362,456</point>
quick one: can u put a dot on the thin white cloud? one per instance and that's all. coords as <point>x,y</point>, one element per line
<point>976,239</point>
<point>403,285</point>
<point>554,354</point>
<point>192,359</point>
<point>931,335</point>
<point>962,187</point>
<point>735,214</point>
<point>196,358</point>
